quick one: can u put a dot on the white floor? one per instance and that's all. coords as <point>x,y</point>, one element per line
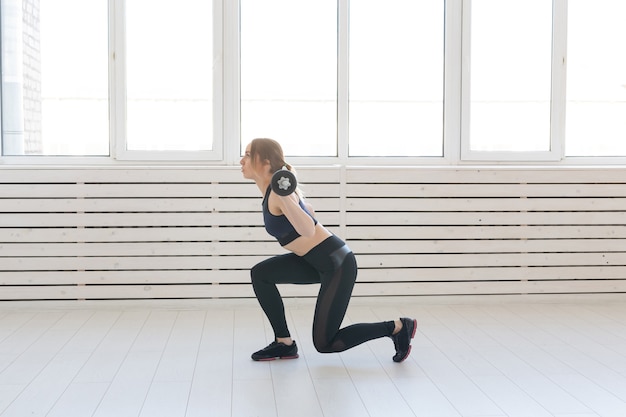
<point>521,357</point>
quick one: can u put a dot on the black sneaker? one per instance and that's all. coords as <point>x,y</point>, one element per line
<point>276,350</point>
<point>402,340</point>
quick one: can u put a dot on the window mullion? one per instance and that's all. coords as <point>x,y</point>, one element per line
<point>559,65</point>
<point>117,79</point>
<point>465,78</point>
<point>452,85</point>
<point>231,64</point>
<point>343,93</point>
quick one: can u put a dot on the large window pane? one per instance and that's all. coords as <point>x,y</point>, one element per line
<point>289,74</point>
<point>596,78</point>
<point>396,78</point>
<point>169,56</point>
<point>55,77</point>
<point>510,74</point>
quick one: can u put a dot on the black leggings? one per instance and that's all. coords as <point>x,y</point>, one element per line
<point>333,265</point>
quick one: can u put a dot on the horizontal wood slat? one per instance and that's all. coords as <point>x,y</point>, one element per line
<point>408,261</point>
<point>515,204</point>
<point>365,261</point>
<point>30,220</point>
<point>488,218</point>
<point>131,190</point>
<point>486,190</point>
<point>195,232</point>
<point>138,234</point>
<point>26,250</point>
<point>142,205</point>
<point>95,292</point>
<point>366,275</point>
<point>486,232</point>
<point>488,175</point>
<point>258,233</point>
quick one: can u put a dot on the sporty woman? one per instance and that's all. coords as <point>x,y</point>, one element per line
<point>315,256</point>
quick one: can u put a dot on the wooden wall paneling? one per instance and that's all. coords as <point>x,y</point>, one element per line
<point>194,232</point>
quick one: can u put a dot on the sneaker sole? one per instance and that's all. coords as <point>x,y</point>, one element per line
<point>276,358</point>
<point>408,352</point>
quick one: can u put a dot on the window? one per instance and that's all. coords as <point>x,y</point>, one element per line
<point>169,83</point>
<point>335,81</point>
<point>83,77</point>
<point>290,89</point>
<point>55,82</point>
<point>289,74</point>
<point>508,85</point>
<point>396,78</point>
<point>596,78</point>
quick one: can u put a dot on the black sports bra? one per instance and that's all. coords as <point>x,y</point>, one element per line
<point>279,226</point>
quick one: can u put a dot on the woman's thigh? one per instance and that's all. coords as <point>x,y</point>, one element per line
<point>288,268</point>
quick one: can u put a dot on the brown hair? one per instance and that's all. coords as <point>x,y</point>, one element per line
<point>268,150</point>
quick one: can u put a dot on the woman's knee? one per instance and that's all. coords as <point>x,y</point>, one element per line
<point>258,279</point>
<point>255,272</point>
<point>323,346</point>
<point>262,270</point>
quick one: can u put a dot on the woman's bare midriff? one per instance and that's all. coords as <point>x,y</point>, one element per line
<point>302,245</point>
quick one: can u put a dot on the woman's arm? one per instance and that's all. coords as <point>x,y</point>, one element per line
<point>299,219</point>
<point>310,208</point>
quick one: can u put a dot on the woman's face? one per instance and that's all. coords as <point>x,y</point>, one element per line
<point>250,170</point>
<point>246,164</point>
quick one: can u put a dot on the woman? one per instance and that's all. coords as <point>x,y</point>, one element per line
<point>315,256</point>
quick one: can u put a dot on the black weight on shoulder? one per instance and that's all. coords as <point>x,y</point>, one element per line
<point>284,182</point>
